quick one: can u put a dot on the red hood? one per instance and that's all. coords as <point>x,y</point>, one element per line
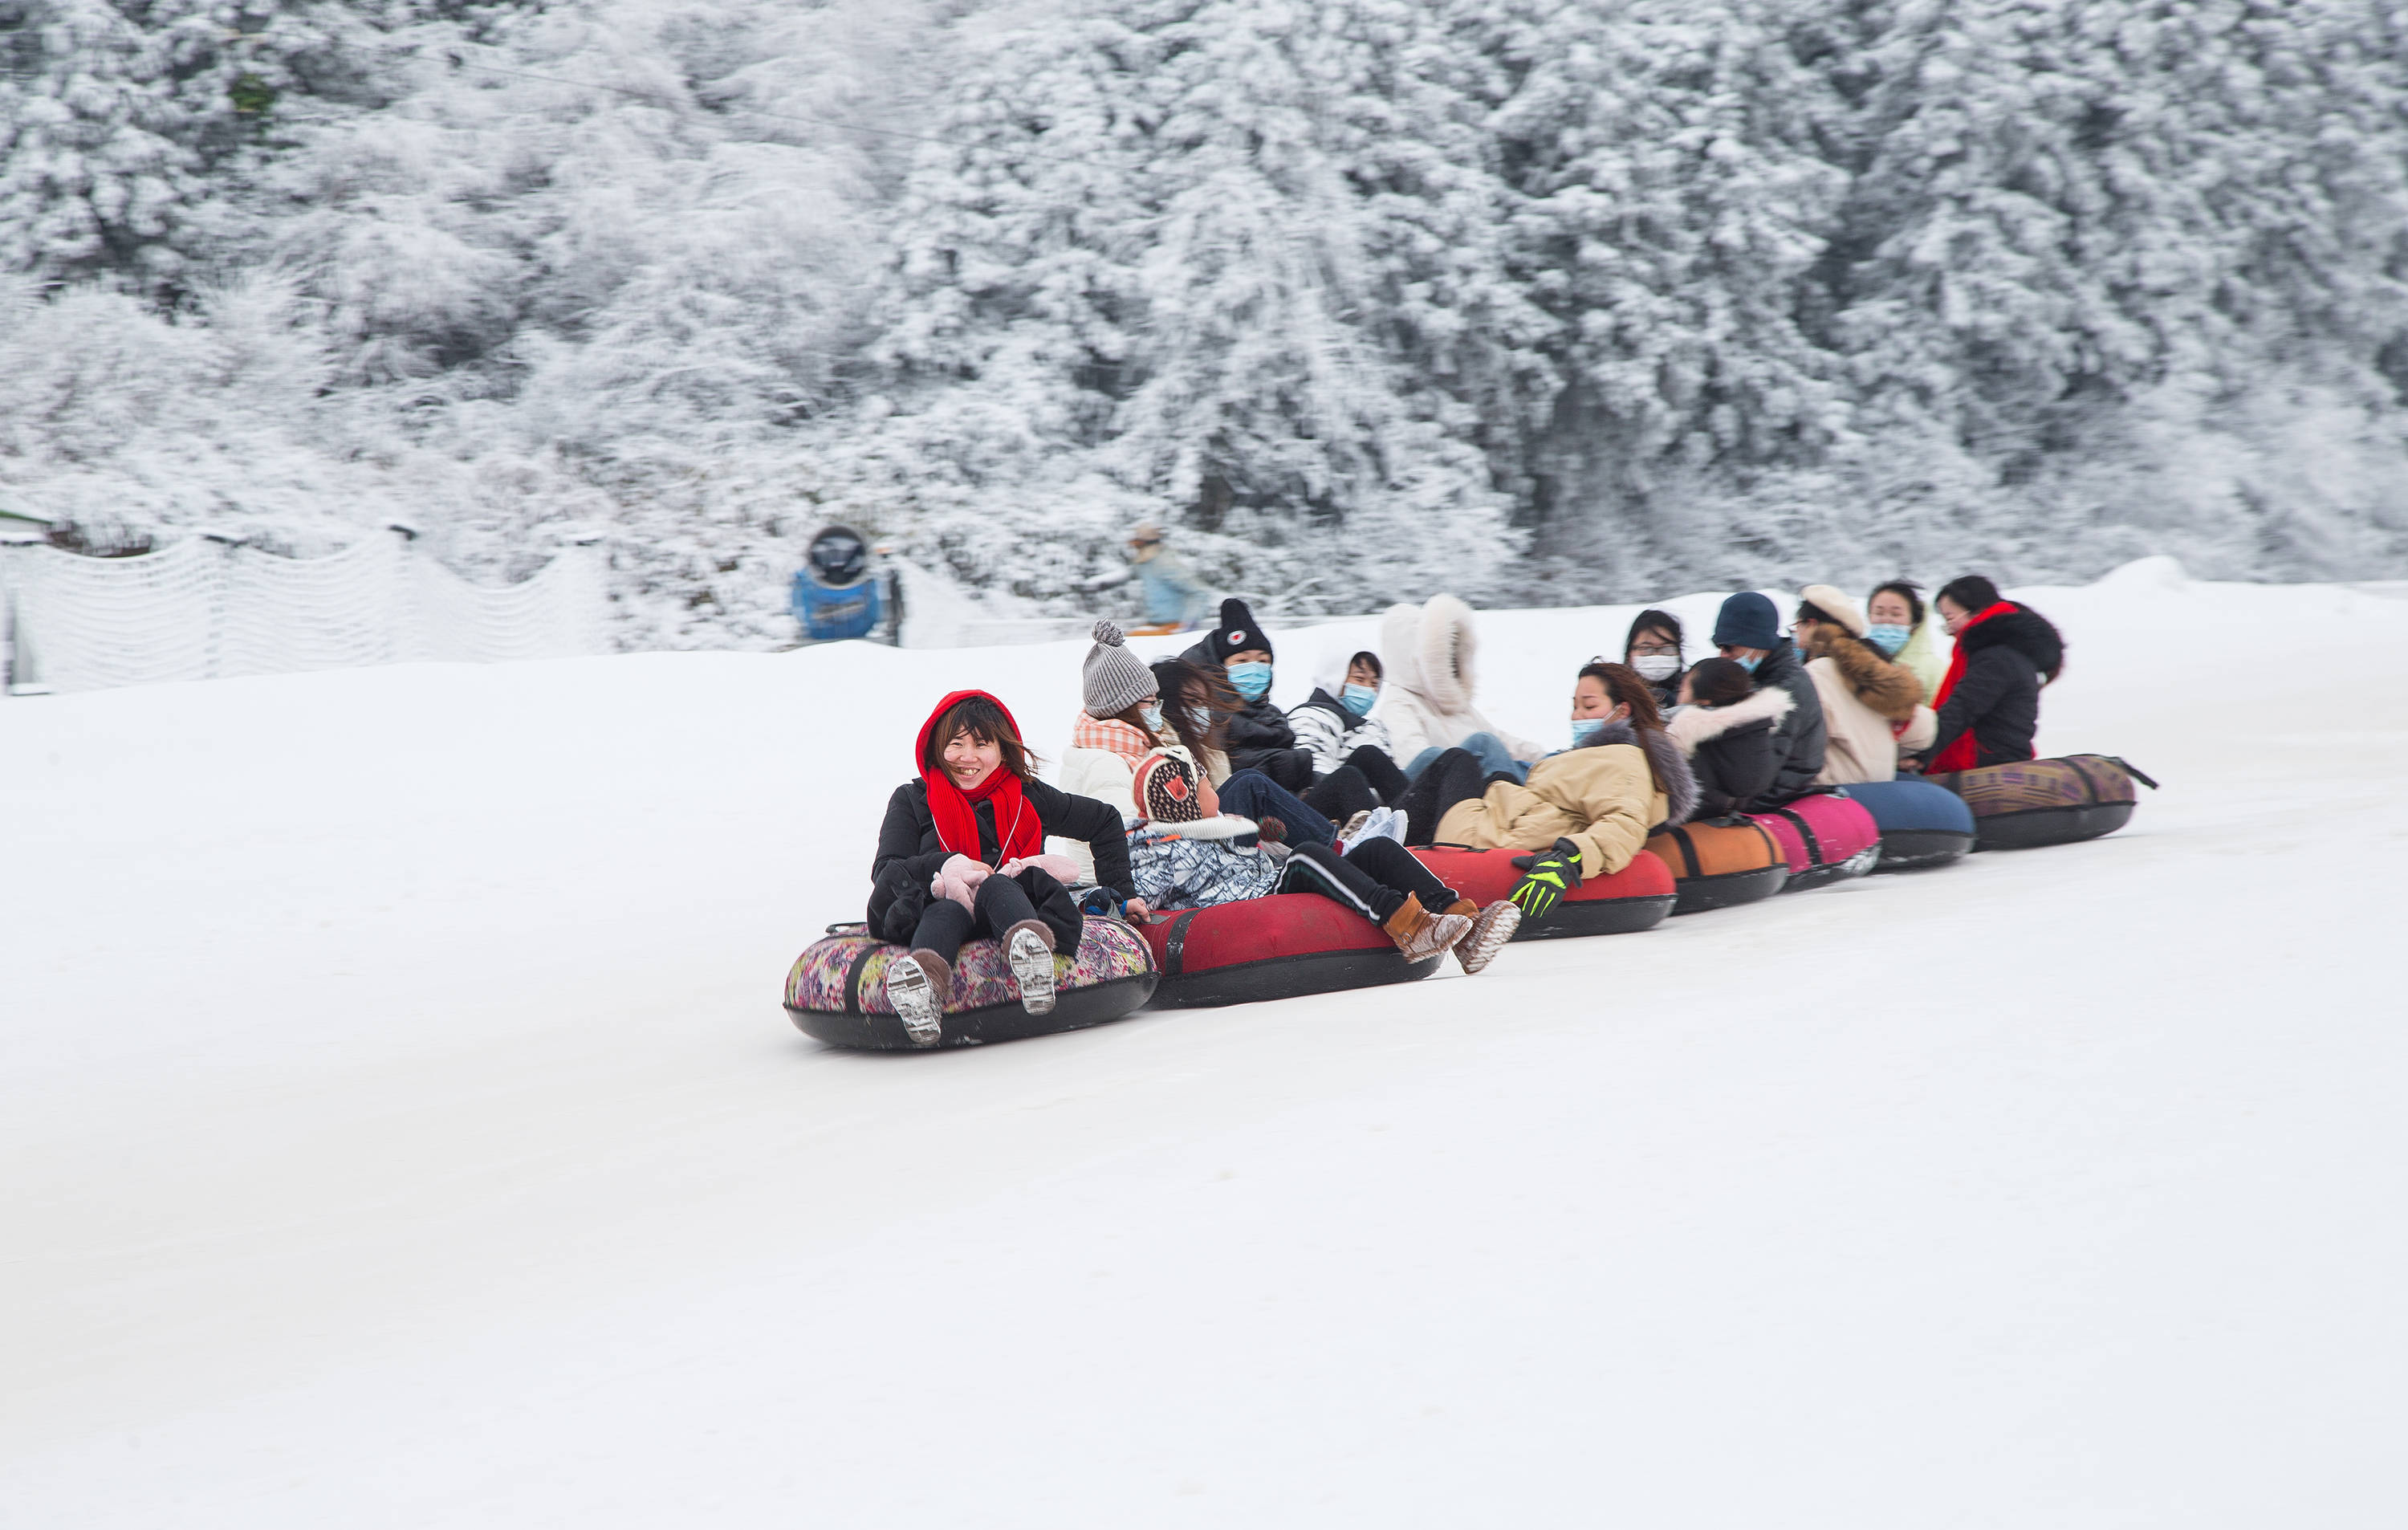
<point>920,747</point>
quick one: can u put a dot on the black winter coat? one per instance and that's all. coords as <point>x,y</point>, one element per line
<point>910,854</point>
<point>1734,769</point>
<point>1799,740</point>
<point>1997,697</point>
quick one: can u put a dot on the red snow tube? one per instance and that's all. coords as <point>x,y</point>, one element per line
<point>1636,897</point>
<point>1826,837</point>
<point>1280,947</point>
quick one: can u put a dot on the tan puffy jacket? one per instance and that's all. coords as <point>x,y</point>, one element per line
<point>1862,694</point>
<point>1602,798</point>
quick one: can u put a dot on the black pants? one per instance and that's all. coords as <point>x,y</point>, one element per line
<point>1002,902</point>
<point>1456,776</point>
<point>1374,880</point>
<point>1366,778</point>
<point>1290,769</point>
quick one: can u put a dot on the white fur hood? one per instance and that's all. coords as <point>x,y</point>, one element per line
<point>1693,725</point>
<point>1430,649</point>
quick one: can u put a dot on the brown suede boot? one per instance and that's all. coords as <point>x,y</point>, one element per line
<point>1421,935</point>
<point>1491,928</point>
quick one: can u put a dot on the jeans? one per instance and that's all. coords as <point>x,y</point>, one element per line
<point>1250,793</point>
<point>1495,758</point>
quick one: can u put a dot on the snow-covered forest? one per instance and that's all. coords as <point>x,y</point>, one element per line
<point>1555,302</point>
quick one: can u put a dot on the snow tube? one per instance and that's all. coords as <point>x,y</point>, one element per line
<point>1719,863</point>
<point>1922,823</point>
<point>1636,897</point>
<point>1826,837</point>
<point>2047,802</point>
<point>1278,947</point>
<point>836,992</point>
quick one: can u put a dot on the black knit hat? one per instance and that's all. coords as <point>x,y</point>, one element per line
<point>1236,634</point>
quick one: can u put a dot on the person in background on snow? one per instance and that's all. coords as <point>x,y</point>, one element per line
<point>1427,701</point>
<point>1870,705</point>
<point>1198,704</point>
<point>1172,601</point>
<point>1182,859</point>
<point>1257,733</point>
<point>1652,649</point>
<point>962,853</point>
<point>1353,770</point>
<point>1989,699</point>
<point>1748,631</point>
<point>1583,812</point>
<point>1897,625</point>
<point>1724,727</point>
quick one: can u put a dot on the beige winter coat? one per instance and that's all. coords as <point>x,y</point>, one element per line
<point>1602,798</point>
<point>1862,694</point>
<point>1425,696</point>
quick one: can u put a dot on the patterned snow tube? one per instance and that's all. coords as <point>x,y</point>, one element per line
<point>1720,863</point>
<point>836,992</point>
<point>1636,897</point>
<point>2030,803</point>
<point>1921,822</point>
<point>1825,839</point>
<point>1280,947</point>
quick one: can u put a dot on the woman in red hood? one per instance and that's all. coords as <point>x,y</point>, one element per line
<point>962,854</point>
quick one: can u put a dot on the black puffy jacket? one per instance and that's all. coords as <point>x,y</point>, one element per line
<point>1799,740</point>
<point>1997,697</point>
<point>909,852</point>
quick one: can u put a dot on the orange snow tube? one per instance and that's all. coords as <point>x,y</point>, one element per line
<point>1636,897</point>
<point>1720,863</point>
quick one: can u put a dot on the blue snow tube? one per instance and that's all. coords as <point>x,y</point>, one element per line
<point>1922,823</point>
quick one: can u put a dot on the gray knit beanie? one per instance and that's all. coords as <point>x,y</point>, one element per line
<point>1113,680</point>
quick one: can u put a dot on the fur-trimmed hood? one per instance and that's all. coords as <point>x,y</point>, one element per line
<point>2022,629</point>
<point>1430,649</point>
<point>1673,771</point>
<point>1694,725</point>
<point>1886,688</point>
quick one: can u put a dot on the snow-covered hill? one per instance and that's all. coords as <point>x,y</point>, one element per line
<point>397,1127</point>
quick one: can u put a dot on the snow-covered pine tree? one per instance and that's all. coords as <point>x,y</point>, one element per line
<point>1204,261</point>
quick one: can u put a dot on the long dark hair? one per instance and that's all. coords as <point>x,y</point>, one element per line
<point>985,722</point>
<point>1972,591</point>
<point>1184,685</point>
<point>1625,686</point>
<point>1905,589</point>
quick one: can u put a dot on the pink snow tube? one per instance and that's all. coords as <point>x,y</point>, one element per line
<point>1827,837</point>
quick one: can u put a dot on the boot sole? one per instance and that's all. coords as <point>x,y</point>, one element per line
<point>914,998</point>
<point>1032,968</point>
<point>1478,951</point>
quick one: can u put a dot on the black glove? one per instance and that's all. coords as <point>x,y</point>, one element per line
<point>1545,878</point>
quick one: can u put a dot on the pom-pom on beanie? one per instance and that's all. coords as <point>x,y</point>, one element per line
<point>1747,620</point>
<point>1113,680</point>
<point>1236,634</point>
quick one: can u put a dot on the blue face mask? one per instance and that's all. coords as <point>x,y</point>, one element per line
<point>1358,699</point>
<point>1748,665</point>
<point>1249,679</point>
<point>1886,637</point>
<point>1585,729</point>
<point>1152,716</point>
<point>1203,718</point>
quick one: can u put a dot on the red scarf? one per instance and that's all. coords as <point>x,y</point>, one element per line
<point>1018,831</point>
<point>1962,753</point>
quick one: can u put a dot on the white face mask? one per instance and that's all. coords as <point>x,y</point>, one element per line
<point>1657,666</point>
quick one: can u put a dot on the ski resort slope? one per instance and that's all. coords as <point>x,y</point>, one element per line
<point>398,1128</point>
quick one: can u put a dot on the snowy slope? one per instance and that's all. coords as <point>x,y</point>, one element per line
<point>397,1127</point>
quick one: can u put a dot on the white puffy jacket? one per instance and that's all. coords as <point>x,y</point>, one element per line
<point>1426,697</point>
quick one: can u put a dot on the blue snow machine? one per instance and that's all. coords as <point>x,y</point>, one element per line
<point>837,593</point>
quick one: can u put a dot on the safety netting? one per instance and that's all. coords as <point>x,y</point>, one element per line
<point>200,609</point>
